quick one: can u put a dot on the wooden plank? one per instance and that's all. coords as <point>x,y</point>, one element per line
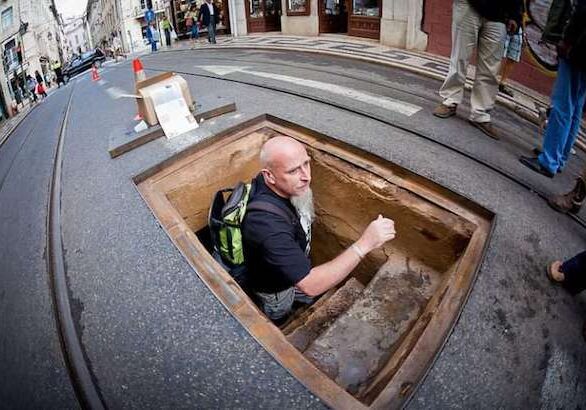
<point>156,131</point>
<point>142,138</point>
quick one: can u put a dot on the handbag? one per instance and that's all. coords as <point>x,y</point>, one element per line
<point>173,34</point>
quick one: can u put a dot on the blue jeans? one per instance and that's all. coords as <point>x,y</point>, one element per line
<point>194,31</point>
<point>212,32</point>
<point>567,99</point>
<point>153,46</point>
<point>575,273</point>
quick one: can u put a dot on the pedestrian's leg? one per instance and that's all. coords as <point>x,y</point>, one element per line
<point>574,270</point>
<point>213,33</point>
<point>578,92</point>
<point>558,125</point>
<point>506,70</point>
<point>490,52</point>
<point>465,25</point>
<point>168,38</point>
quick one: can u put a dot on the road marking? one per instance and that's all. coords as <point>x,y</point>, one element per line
<point>116,93</point>
<point>388,103</point>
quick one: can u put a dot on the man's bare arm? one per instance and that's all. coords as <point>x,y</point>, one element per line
<point>329,274</point>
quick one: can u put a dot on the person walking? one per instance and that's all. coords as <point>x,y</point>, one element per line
<point>31,85</point>
<point>39,77</point>
<point>480,24</point>
<point>568,29</point>
<point>191,23</point>
<point>41,90</point>
<point>152,36</point>
<point>512,55</point>
<point>56,67</point>
<point>209,17</point>
<point>166,26</point>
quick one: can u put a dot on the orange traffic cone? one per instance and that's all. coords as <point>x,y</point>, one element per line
<point>95,74</point>
<point>139,74</point>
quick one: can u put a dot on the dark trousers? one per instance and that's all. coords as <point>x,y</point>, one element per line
<point>575,273</point>
<point>167,37</point>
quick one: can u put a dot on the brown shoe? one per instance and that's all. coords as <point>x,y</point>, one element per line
<point>570,202</point>
<point>443,111</point>
<point>487,128</point>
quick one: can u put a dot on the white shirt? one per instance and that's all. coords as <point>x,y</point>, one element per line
<point>211,8</point>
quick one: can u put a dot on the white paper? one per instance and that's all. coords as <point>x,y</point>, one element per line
<point>172,110</point>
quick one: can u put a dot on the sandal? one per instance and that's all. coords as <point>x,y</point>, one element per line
<point>552,268</point>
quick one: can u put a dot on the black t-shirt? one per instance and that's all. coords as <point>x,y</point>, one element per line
<point>274,248</point>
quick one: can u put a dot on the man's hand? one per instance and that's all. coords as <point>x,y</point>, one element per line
<point>376,234</point>
<point>512,26</point>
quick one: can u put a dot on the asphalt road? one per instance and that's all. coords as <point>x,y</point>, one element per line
<point>155,337</point>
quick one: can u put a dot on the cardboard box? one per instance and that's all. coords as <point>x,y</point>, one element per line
<point>145,88</point>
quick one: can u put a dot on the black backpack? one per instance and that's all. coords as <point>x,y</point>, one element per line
<point>224,220</point>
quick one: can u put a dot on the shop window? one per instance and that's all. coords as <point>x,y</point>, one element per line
<point>298,7</point>
<point>368,8</point>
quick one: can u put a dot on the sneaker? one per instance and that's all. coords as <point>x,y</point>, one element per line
<point>487,128</point>
<point>443,111</point>
<point>535,165</point>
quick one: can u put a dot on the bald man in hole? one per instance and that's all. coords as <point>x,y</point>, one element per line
<point>276,248</point>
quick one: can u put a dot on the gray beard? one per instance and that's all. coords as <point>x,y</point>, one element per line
<point>304,205</point>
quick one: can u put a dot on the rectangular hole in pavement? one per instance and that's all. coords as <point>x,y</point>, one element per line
<point>368,342</point>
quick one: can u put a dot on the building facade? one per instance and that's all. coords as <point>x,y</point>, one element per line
<point>76,37</point>
<point>30,37</point>
<point>124,19</point>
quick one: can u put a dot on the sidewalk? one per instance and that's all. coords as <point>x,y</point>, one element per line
<point>8,125</point>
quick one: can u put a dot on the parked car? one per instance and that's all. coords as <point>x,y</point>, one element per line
<point>83,62</point>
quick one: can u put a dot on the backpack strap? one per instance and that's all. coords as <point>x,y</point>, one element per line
<point>269,207</point>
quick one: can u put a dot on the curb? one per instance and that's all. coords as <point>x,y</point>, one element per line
<point>17,122</point>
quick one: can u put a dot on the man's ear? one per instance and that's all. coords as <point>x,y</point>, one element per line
<point>268,176</point>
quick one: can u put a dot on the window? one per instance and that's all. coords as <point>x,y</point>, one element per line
<point>298,8</point>
<point>366,8</point>
<point>7,18</point>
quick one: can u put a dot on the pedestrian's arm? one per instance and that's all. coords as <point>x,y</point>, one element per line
<point>329,274</point>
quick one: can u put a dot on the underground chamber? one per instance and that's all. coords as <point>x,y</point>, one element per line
<point>369,341</point>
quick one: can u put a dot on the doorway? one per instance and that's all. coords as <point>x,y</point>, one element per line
<point>333,16</point>
<point>263,15</point>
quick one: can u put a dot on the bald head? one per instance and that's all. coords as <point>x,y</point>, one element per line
<point>278,150</point>
<point>285,166</point>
